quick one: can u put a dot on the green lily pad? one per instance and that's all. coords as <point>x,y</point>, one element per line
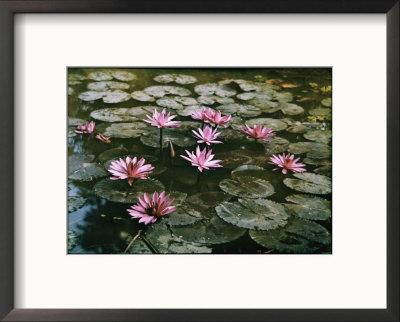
<point>100,76</point>
<point>257,214</point>
<point>274,124</point>
<point>139,247</point>
<point>264,104</point>
<point>177,78</point>
<point>236,158</point>
<point>324,170</point>
<point>292,109</point>
<point>161,91</point>
<point>276,145</point>
<point>247,187</point>
<point>169,103</point>
<point>107,85</point>
<point>75,122</point>
<point>71,91</point>
<point>249,170</point>
<point>112,153</point>
<point>164,242</point>
<point>75,203</point>
<point>327,102</point>
<point>243,110</point>
<point>283,97</point>
<point>184,100</point>
<point>116,96</point>
<point>182,216</point>
<point>90,96</point>
<point>319,136</point>
<point>214,89</point>
<point>297,127</point>
<point>310,183</point>
<point>297,237</point>
<point>211,232</point>
<point>246,96</point>
<point>120,191</point>
<point>81,168</point>
<point>123,114</point>
<point>76,77</point>
<point>205,201</point>
<point>322,112</point>
<point>309,207</point>
<point>315,150</point>
<point>142,97</point>
<point>123,75</point>
<point>231,135</point>
<point>122,130</point>
<point>211,99</point>
<point>152,138</point>
<point>189,110</point>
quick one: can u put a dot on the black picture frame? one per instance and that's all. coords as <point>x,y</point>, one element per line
<point>8,8</point>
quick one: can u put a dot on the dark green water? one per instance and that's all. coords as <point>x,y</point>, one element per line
<point>104,227</point>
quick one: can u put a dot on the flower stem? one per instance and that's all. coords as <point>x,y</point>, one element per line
<point>161,141</point>
<point>198,177</point>
<point>148,244</point>
<point>132,241</point>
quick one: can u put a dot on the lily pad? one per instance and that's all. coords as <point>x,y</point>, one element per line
<point>142,97</point>
<point>72,121</point>
<point>152,138</point>
<point>116,96</point>
<point>298,236</point>
<point>310,183</point>
<point>205,201</point>
<point>189,110</point>
<point>122,130</point>
<point>124,76</point>
<point>326,113</point>
<point>319,136</point>
<point>257,214</point>
<point>327,102</point>
<point>283,97</point>
<point>120,191</point>
<point>106,85</point>
<point>100,76</point>
<point>112,153</point>
<point>250,170</point>
<point>81,168</point>
<point>139,247</point>
<point>276,145</point>
<point>247,187</point>
<point>315,150</point>
<point>211,232</point>
<point>211,99</point>
<point>75,203</point>
<point>177,78</point>
<point>274,124</point>
<point>236,158</point>
<point>164,242</point>
<point>292,109</point>
<point>161,91</point>
<point>184,100</point>
<point>169,103</point>
<point>76,77</point>
<point>214,89</point>
<point>243,110</point>
<point>297,127</point>
<point>309,207</point>
<point>181,217</point>
<point>90,96</point>
<point>246,96</point>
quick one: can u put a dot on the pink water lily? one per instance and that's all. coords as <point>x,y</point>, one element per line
<point>202,159</point>
<point>216,118</point>
<point>130,169</point>
<point>204,115</point>
<point>207,135</point>
<point>287,162</point>
<point>258,132</point>
<point>150,208</point>
<point>102,138</point>
<point>162,119</point>
<point>87,128</point>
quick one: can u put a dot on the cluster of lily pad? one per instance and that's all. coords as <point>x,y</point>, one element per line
<point>270,224</point>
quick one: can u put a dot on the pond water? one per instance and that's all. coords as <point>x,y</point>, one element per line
<point>242,207</point>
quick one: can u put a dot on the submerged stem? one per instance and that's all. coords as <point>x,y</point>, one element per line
<point>133,240</point>
<point>152,248</point>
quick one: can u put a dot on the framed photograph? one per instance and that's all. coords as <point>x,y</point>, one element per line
<point>194,161</point>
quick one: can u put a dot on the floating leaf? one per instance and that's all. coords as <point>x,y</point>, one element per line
<point>319,136</point>
<point>70,91</point>
<point>122,130</point>
<point>75,203</point>
<point>313,149</point>
<point>274,124</point>
<point>327,102</point>
<point>142,96</point>
<point>181,217</point>
<point>297,128</point>
<point>81,168</point>
<point>121,191</point>
<point>276,145</point>
<point>116,96</point>
<point>164,242</point>
<point>236,158</point>
<point>91,96</point>
<point>184,100</point>
<point>257,214</point>
<point>211,99</point>
<point>292,109</point>
<point>298,236</point>
<point>106,85</point>
<point>309,207</point>
<point>76,77</point>
<point>264,103</point>
<point>177,78</point>
<point>249,170</point>
<point>73,240</point>
<point>100,76</point>
<point>310,183</point>
<point>169,103</point>
<point>210,232</point>
<point>247,187</point>
<point>139,247</point>
<point>326,113</point>
<point>122,114</point>
<point>205,201</point>
<point>284,97</point>
<point>189,110</point>
<point>112,153</point>
<point>214,89</point>
<point>152,138</point>
<point>161,91</point>
<point>246,96</point>
<point>124,76</point>
<point>243,110</point>
<point>75,122</point>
